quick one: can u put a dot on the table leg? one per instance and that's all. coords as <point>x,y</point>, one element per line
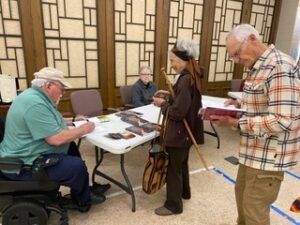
<point>214,134</point>
<point>127,188</point>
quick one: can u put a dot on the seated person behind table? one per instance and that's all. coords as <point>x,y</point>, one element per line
<point>143,90</point>
<point>34,127</point>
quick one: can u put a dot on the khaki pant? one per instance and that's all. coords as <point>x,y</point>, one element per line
<point>255,191</point>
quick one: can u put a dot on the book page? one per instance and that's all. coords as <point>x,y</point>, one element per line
<point>8,88</point>
<point>219,105</point>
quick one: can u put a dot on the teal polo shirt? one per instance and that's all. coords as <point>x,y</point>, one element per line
<point>32,117</point>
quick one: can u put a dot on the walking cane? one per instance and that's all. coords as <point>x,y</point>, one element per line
<point>170,87</point>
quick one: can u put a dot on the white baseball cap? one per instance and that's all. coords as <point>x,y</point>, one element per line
<point>50,73</point>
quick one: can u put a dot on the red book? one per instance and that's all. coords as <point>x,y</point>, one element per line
<point>207,112</point>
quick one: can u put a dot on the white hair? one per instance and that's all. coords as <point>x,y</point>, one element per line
<point>38,82</point>
<point>190,47</point>
<point>142,68</point>
<point>242,32</point>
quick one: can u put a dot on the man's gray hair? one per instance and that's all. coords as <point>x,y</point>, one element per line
<point>190,47</point>
<point>242,32</point>
<point>145,68</point>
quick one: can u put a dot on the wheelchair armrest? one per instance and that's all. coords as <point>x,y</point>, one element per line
<point>10,164</point>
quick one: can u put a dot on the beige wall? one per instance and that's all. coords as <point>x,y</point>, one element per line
<point>288,33</point>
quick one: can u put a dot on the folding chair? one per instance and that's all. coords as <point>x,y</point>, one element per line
<point>87,103</point>
<point>125,92</point>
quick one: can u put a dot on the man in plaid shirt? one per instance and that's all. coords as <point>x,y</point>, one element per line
<point>270,128</point>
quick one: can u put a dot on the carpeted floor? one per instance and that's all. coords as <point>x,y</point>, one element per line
<point>212,201</point>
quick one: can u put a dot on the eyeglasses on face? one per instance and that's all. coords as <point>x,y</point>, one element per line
<point>237,52</point>
<point>60,87</point>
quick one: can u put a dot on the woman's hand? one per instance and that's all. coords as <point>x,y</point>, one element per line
<point>158,101</point>
<point>162,94</point>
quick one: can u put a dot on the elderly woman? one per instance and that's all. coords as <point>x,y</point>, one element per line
<point>184,105</point>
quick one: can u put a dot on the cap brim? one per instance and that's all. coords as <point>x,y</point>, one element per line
<point>65,84</point>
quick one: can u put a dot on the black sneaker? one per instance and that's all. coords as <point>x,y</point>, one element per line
<point>67,202</point>
<point>99,189</point>
<point>97,198</point>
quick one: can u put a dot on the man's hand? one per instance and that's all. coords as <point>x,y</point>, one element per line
<point>80,117</point>
<point>224,121</point>
<point>232,102</point>
<point>87,127</point>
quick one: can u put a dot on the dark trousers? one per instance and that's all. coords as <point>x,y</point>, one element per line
<point>70,171</point>
<point>178,182</point>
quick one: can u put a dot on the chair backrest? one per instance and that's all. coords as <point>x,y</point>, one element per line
<point>236,84</point>
<point>125,92</point>
<point>87,103</point>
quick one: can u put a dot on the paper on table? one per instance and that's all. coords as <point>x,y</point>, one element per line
<point>80,122</point>
<point>98,127</point>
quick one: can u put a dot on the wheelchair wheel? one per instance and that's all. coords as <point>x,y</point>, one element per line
<point>28,213</point>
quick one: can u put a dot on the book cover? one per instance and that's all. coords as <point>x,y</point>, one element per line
<point>207,112</point>
<point>136,130</point>
<point>149,127</point>
<point>134,120</point>
<point>128,113</point>
<point>120,135</point>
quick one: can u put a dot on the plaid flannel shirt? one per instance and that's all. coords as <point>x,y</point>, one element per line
<point>270,128</point>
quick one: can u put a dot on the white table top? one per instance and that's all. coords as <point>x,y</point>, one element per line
<point>116,125</point>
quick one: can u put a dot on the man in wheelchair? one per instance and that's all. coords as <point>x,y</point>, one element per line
<point>38,136</point>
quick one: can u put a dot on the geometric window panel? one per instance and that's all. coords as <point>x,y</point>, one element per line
<point>227,15</point>
<point>261,18</point>
<point>70,29</point>
<point>185,22</point>
<point>11,45</point>
<point>134,34</point>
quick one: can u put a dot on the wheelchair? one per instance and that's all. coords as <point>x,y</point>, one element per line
<point>28,202</point>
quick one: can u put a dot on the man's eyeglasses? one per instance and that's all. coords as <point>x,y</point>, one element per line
<point>237,52</point>
<point>61,88</point>
<point>145,74</point>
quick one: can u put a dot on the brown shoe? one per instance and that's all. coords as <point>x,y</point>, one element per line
<point>163,211</point>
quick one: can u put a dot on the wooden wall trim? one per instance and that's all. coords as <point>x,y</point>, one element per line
<point>102,51</point>
<point>245,18</point>
<point>161,40</point>
<point>110,55</point>
<point>33,37</point>
<point>275,21</point>
<point>206,37</point>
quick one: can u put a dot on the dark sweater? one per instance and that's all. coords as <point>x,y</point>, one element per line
<point>142,94</point>
<point>185,105</point>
